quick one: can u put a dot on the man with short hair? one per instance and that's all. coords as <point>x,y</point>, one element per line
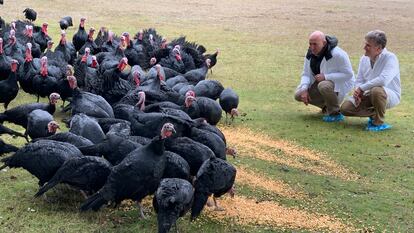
<point>377,85</point>
<point>327,76</point>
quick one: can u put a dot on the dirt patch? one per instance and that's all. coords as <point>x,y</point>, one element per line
<point>253,179</point>
<point>250,212</point>
<point>249,143</point>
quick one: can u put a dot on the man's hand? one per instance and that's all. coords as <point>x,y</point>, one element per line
<point>320,77</point>
<point>358,94</point>
<point>304,96</point>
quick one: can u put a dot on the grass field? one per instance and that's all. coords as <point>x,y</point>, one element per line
<point>295,172</point>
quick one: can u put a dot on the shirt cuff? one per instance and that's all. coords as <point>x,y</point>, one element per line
<point>304,87</point>
<point>364,87</point>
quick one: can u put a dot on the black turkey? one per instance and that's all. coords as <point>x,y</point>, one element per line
<point>193,152</point>
<point>216,177</point>
<point>205,108</point>
<point>88,103</point>
<point>5,62</point>
<point>68,137</point>
<point>6,148</point>
<point>176,167</point>
<point>5,130</point>
<point>114,148</point>
<point>40,124</point>
<point>229,102</point>
<point>9,87</point>
<point>19,115</point>
<point>30,14</point>
<point>65,22</point>
<point>42,159</point>
<point>137,176</point>
<point>41,37</point>
<point>209,88</point>
<point>213,59</point>
<point>44,84</point>
<point>80,37</point>
<point>211,140</point>
<point>86,173</point>
<point>86,127</point>
<point>172,200</point>
<point>196,75</point>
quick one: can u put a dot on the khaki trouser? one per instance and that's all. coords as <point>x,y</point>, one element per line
<point>372,105</point>
<point>322,95</point>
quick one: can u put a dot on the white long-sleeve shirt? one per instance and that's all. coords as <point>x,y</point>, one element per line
<point>338,69</point>
<point>385,73</point>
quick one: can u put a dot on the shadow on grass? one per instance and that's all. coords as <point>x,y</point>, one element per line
<point>351,123</point>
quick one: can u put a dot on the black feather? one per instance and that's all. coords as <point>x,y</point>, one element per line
<point>30,14</point>
<point>65,22</point>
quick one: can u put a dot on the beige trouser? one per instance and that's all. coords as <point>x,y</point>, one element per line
<point>322,95</point>
<point>373,105</point>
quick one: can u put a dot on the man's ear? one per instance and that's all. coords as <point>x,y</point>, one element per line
<point>379,49</point>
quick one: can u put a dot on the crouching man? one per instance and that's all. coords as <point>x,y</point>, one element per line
<point>377,85</point>
<point>327,76</point>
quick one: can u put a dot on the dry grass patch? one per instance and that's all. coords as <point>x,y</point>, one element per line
<point>261,146</point>
<point>253,179</point>
<point>250,212</point>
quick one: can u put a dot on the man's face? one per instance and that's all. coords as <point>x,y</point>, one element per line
<point>371,49</point>
<point>316,45</point>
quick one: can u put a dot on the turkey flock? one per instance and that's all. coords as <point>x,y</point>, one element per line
<point>141,116</point>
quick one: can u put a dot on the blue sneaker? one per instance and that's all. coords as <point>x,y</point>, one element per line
<point>333,118</point>
<point>377,128</point>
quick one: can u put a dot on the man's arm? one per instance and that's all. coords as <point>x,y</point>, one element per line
<point>306,79</point>
<point>342,61</point>
<point>360,79</point>
<point>390,70</point>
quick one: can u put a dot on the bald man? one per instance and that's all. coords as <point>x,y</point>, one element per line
<point>327,76</point>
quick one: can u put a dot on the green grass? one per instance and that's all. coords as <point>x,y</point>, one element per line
<point>262,63</point>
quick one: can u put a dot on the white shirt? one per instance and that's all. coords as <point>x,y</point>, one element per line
<point>338,69</point>
<point>385,73</point>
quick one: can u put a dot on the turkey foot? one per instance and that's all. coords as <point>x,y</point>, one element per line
<point>216,206</point>
<point>141,210</point>
<point>209,203</point>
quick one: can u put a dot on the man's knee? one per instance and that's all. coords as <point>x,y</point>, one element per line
<point>326,86</point>
<point>378,97</point>
<point>347,108</point>
<point>378,92</point>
